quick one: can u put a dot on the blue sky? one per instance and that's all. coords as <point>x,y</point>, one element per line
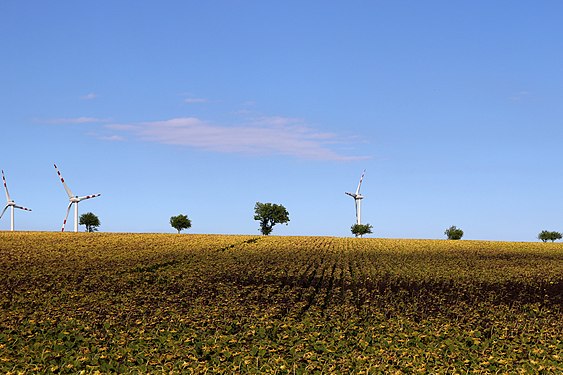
<point>204,108</point>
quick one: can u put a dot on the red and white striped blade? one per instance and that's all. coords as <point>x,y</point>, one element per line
<point>66,217</point>
<point>68,191</point>
<point>88,196</point>
<point>23,208</point>
<point>6,187</point>
<point>360,184</point>
<point>4,210</point>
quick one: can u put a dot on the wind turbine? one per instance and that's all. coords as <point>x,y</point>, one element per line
<point>358,199</point>
<point>74,199</point>
<point>10,204</point>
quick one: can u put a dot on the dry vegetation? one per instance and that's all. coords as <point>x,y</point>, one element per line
<point>195,303</point>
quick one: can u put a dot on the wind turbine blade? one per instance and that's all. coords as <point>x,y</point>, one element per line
<point>66,217</point>
<point>360,184</point>
<point>350,194</point>
<point>88,196</point>
<point>23,208</point>
<point>68,191</point>
<point>6,187</point>
<point>4,210</point>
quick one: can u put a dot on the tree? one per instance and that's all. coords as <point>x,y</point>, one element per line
<point>549,236</point>
<point>454,233</point>
<point>90,220</point>
<point>269,215</point>
<point>180,222</point>
<point>361,229</point>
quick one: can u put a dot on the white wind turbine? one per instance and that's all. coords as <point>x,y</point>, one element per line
<point>358,199</point>
<point>74,199</point>
<point>10,204</point>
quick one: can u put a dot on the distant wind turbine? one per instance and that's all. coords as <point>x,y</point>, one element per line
<point>10,204</point>
<point>358,200</point>
<point>74,199</point>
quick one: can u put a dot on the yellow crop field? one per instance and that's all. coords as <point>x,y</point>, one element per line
<point>154,303</point>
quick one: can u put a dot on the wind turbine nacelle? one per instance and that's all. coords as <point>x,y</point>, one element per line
<point>359,196</point>
<point>75,199</point>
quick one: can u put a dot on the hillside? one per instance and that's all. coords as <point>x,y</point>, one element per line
<point>195,303</point>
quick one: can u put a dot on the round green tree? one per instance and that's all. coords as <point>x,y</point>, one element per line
<point>454,233</point>
<point>90,220</point>
<point>546,235</point>
<point>361,229</point>
<point>180,222</point>
<point>270,214</point>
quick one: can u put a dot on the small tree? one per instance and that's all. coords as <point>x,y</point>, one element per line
<point>180,222</point>
<point>269,215</point>
<point>454,233</point>
<point>549,236</point>
<point>90,220</point>
<point>361,229</point>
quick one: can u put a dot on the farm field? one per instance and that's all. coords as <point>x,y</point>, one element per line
<point>138,303</point>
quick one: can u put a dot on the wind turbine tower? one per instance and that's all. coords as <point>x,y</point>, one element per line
<point>10,204</point>
<point>358,200</point>
<point>73,199</point>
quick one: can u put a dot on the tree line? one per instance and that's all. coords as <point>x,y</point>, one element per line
<point>270,214</point>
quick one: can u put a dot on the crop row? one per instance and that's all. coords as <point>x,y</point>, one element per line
<point>196,303</point>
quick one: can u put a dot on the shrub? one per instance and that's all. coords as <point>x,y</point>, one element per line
<point>361,229</point>
<point>549,236</point>
<point>454,233</point>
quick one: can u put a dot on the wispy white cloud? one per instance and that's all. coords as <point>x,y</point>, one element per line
<point>195,100</point>
<point>112,138</point>
<point>277,121</point>
<point>76,120</point>
<point>89,96</point>
<point>261,136</point>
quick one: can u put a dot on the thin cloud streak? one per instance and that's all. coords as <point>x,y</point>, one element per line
<point>89,96</point>
<point>264,136</point>
<point>113,138</point>
<point>76,120</point>
<point>195,100</point>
